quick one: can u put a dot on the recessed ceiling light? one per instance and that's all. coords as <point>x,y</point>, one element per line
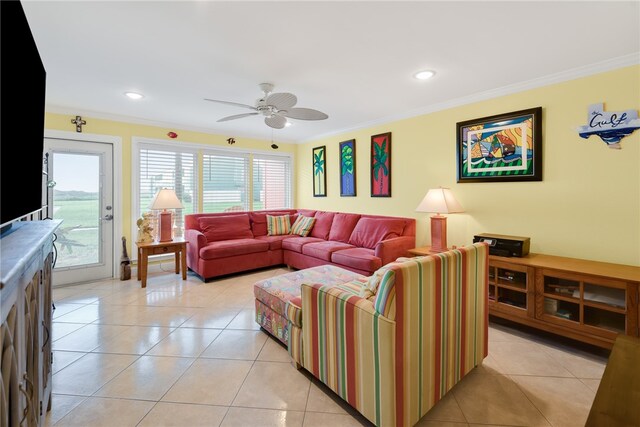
<point>133,95</point>
<point>424,75</point>
<point>288,124</point>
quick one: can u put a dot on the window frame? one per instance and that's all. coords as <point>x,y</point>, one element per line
<point>198,149</point>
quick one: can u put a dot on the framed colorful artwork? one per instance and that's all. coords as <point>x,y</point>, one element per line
<point>348,168</point>
<point>319,171</point>
<point>381,165</point>
<point>505,147</point>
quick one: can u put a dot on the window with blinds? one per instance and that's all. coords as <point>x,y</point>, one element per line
<point>164,167</point>
<point>225,182</point>
<point>271,182</point>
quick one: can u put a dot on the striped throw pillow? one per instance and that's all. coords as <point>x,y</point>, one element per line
<point>303,225</point>
<point>385,303</point>
<point>278,225</point>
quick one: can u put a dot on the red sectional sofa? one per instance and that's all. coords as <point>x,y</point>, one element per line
<point>230,242</point>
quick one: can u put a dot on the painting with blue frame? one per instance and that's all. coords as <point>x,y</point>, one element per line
<point>348,168</point>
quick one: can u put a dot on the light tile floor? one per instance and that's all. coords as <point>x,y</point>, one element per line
<point>188,353</point>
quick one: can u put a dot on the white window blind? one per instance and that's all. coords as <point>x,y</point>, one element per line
<point>271,182</point>
<point>166,167</point>
<point>225,182</point>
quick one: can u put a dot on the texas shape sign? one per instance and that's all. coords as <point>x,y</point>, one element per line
<point>611,127</point>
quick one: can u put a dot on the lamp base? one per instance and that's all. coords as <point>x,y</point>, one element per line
<point>165,227</point>
<point>438,233</point>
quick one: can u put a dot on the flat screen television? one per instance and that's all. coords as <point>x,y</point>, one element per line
<point>22,92</point>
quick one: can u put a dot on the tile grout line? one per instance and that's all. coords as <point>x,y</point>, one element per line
<point>529,399</point>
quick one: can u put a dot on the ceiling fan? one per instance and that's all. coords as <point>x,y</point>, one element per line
<point>275,107</point>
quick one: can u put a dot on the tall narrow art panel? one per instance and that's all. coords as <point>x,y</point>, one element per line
<point>319,172</point>
<point>348,168</point>
<point>381,165</point>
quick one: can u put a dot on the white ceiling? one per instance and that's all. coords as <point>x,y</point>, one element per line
<point>352,60</point>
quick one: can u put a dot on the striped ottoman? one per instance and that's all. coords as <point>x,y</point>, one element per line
<point>272,295</point>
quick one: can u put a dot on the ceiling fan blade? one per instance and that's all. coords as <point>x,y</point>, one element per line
<point>304,114</point>
<point>237,116</point>
<point>281,101</point>
<point>236,104</point>
<point>275,121</point>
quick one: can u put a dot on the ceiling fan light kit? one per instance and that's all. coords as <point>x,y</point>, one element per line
<point>275,107</point>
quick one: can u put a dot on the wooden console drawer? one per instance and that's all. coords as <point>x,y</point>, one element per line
<point>164,250</point>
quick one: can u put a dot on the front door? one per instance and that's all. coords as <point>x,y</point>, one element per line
<point>80,193</point>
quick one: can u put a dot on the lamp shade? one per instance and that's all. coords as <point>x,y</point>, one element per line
<point>165,199</point>
<point>439,200</point>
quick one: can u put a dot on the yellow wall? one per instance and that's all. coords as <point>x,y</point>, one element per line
<point>586,206</point>
<point>128,130</point>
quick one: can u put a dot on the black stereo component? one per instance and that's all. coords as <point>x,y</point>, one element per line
<point>502,245</point>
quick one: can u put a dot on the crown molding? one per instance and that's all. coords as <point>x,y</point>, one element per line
<point>57,109</point>
<point>563,76</point>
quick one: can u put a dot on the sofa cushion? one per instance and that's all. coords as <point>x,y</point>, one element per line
<point>360,258</point>
<point>227,248</point>
<point>307,212</point>
<point>275,242</point>
<point>278,225</point>
<point>295,244</point>
<point>259,220</point>
<point>385,295</point>
<point>323,250</point>
<point>303,225</point>
<point>342,227</point>
<point>322,227</point>
<point>369,231</point>
<point>373,281</point>
<point>217,228</point>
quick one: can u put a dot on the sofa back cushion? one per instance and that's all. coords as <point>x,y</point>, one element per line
<point>342,227</point>
<point>322,227</point>
<point>217,228</point>
<point>278,225</point>
<point>303,225</point>
<point>307,212</point>
<point>369,231</point>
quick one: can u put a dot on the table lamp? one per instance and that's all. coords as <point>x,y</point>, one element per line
<point>165,199</point>
<point>439,200</point>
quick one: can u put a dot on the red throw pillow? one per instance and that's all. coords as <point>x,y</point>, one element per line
<point>322,226</point>
<point>370,231</point>
<point>342,227</point>
<point>216,228</point>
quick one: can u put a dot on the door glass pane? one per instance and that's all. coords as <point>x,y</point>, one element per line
<point>76,201</point>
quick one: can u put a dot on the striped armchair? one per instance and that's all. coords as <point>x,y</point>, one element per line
<point>394,355</point>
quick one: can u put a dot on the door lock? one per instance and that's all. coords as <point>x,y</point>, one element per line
<point>107,217</point>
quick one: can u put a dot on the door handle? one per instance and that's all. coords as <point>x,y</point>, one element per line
<point>107,217</point>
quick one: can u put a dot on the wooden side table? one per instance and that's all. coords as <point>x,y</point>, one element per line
<point>421,251</point>
<point>176,246</point>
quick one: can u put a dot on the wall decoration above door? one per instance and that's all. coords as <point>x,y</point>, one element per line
<point>381,165</point>
<point>319,171</point>
<point>611,127</point>
<point>348,168</point>
<point>504,147</point>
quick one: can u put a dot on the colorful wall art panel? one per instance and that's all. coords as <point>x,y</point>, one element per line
<point>348,168</point>
<point>319,172</point>
<point>381,165</point>
<point>505,147</point>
